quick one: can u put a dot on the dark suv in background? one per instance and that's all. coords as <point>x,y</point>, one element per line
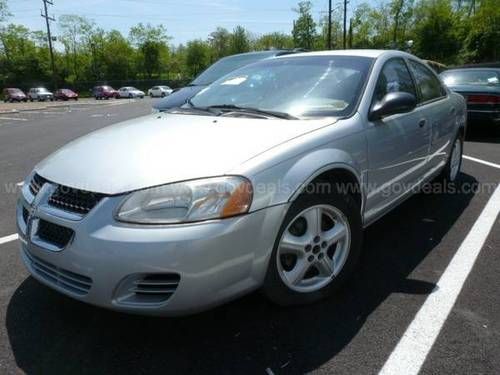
<point>104,92</point>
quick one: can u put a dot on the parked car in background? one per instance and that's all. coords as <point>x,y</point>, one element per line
<point>130,92</point>
<point>266,179</point>
<point>104,92</point>
<point>40,93</point>
<point>14,95</point>
<point>213,73</point>
<point>159,91</point>
<point>65,94</point>
<point>481,89</point>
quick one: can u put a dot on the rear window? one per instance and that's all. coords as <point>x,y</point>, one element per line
<point>471,77</point>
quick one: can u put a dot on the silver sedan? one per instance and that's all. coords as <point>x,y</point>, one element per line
<point>265,179</point>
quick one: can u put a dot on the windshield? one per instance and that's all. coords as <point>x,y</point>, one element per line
<point>306,86</point>
<point>471,77</point>
<point>227,65</point>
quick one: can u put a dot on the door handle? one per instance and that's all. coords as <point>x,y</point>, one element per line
<point>452,110</point>
<point>422,123</point>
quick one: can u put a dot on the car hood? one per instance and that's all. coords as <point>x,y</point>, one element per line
<point>160,149</point>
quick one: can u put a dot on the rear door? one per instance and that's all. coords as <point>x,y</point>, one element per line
<point>440,113</point>
<point>398,145</point>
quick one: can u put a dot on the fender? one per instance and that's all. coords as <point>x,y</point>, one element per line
<point>298,172</point>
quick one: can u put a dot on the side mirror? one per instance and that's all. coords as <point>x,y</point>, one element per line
<point>391,104</point>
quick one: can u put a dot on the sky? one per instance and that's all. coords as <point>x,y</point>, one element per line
<point>184,19</point>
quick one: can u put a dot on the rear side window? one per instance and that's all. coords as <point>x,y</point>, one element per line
<point>394,77</point>
<point>429,86</point>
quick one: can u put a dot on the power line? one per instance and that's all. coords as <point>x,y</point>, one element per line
<point>329,24</point>
<point>345,23</point>
<point>45,15</point>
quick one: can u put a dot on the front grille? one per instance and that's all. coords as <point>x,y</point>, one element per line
<point>153,288</point>
<point>36,184</point>
<point>65,279</point>
<point>54,234</point>
<point>74,200</point>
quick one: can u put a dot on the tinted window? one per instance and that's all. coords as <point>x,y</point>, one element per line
<point>429,86</point>
<point>394,77</point>
<point>303,86</point>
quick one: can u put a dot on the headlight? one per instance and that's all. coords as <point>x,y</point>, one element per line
<point>189,201</point>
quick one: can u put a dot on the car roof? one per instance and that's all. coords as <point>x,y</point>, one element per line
<point>471,69</point>
<point>373,53</point>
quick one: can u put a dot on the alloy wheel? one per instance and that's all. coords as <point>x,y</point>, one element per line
<point>313,248</point>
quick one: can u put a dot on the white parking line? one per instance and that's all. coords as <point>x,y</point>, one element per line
<point>13,118</point>
<point>9,238</point>
<point>482,161</point>
<point>411,351</point>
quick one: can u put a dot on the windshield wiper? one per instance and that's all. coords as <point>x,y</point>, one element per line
<point>192,107</point>
<point>257,111</point>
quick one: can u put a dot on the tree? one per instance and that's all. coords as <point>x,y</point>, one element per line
<point>118,57</point>
<point>151,42</point>
<point>76,35</point>
<point>219,41</point>
<point>274,40</point>
<point>304,27</point>
<point>197,55</point>
<point>435,34</point>
<point>239,42</point>
<point>483,40</point>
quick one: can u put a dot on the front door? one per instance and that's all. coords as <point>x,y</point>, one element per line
<point>398,145</point>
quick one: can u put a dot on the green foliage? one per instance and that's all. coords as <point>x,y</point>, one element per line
<point>304,27</point>
<point>239,41</point>
<point>449,31</point>
<point>197,57</point>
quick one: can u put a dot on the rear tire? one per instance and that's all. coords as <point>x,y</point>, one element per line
<point>322,258</point>
<point>451,170</point>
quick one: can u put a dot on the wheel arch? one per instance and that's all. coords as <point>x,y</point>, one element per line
<point>341,175</point>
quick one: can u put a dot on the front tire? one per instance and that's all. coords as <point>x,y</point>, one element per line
<point>316,249</point>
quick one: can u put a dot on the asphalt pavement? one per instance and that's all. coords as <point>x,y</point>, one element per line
<point>406,257</point>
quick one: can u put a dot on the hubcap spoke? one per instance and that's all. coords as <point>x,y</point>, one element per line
<point>296,275</point>
<point>313,217</point>
<point>291,244</point>
<point>325,267</point>
<point>335,234</point>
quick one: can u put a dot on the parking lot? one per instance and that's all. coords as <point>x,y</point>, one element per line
<point>407,259</point>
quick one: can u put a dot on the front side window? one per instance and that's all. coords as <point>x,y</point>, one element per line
<point>394,77</point>
<point>306,86</point>
<point>429,86</point>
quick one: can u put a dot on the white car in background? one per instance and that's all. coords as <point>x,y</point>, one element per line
<point>40,94</point>
<point>130,92</point>
<point>159,91</point>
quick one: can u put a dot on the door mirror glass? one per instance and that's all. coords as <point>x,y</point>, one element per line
<point>393,103</point>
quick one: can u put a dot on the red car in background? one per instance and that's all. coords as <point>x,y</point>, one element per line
<point>65,94</point>
<point>104,92</point>
<point>14,95</point>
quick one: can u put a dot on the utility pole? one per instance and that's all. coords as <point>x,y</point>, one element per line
<point>45,15</point>
<point>329,24</point>
<point>345,23</point>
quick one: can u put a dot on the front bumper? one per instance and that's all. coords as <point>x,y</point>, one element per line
<point>215,261</point>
